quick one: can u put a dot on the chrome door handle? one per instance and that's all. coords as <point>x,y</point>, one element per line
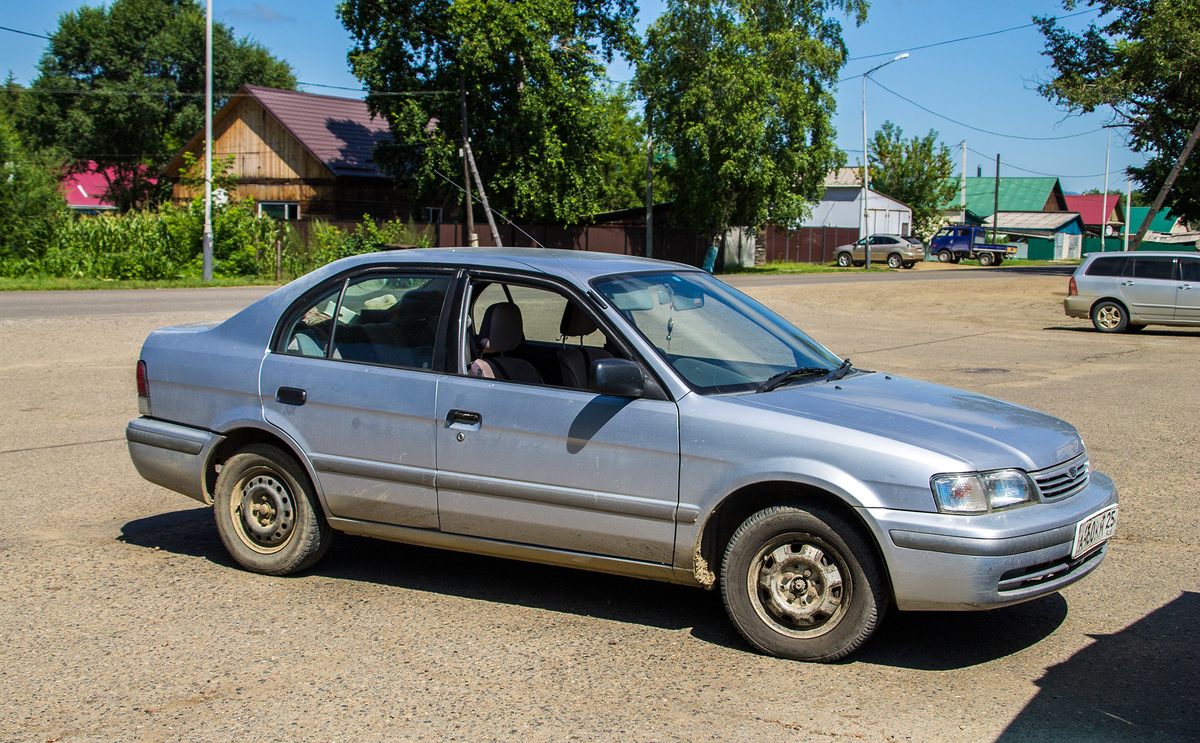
<point>1185,287</point>
<point>1126,283</point>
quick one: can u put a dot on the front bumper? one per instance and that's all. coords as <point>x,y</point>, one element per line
<point>947,562</point>
<point>1078,306</point>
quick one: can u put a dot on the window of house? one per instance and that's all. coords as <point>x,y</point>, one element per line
<point>280,209</point>
<point>433,215</point>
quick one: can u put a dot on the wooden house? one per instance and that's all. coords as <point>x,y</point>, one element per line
<point>300,155</point>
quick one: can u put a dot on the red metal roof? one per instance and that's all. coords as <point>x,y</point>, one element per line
<point>85,189</point>
<point>340,132</point>
<point>1091,208</point>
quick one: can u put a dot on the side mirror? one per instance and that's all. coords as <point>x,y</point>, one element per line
<point>616,377</point>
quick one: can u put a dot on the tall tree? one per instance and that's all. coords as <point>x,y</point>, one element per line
<point>917,171</point>
<point>124,85</point>
<point>739,91</point>
<point>30,201</point>
<point>1140,63</point>
<point>531,70</point>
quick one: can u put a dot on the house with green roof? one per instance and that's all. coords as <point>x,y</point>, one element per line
<point>1016,195</point>
<point>1164,223</point>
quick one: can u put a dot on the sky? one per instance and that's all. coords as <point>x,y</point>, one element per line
<point>986,83</point>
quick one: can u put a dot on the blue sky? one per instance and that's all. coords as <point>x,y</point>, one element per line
<point>987,83</point>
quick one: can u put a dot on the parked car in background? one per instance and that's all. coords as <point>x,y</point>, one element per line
<point>957,242</point>
<point>898,251</point>
<point>1125,292</point>
<point>615,414</point>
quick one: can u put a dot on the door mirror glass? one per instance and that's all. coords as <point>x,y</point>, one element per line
<point>616,377</point>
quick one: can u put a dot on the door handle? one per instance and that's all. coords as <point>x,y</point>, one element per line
<point>464,420</point>
<point>1126,283</point>
<point>291,396</point>
<point>1185,287</point>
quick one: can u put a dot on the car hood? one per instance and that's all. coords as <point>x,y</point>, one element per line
<point>985,432</point>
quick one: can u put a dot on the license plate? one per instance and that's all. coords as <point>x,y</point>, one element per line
<point>1094,530</point>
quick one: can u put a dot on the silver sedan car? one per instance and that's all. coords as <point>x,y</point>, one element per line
<point>1125,292</point>
<point>613,414</point>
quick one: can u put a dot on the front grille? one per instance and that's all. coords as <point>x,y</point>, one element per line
<point>1064,479</point>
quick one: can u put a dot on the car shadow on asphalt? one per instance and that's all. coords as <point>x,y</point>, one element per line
<point>1159,332</point>
<point>916,640</point>
<point>1137,684</point>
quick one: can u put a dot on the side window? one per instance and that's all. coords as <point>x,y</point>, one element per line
<point>1153,268</point>
<point>391,321</point>
<point>1189,269</point>
<point>1106,266</point>
<point>309,333</point>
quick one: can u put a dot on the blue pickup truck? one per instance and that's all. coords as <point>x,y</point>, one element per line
<point>955,242</point>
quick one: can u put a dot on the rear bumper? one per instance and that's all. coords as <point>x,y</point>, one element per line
<point>1078,306</point>
<point>171,455</point>
<point>1022,555</point>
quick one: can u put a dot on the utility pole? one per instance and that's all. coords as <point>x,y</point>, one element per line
<point>962,195</point>
<point>206,240</point>
<point>1104,217</point>
<point>1166,187</point>
<point>649,184</point>
<point>866,175</point>
<point>472,238</point>
<point>996,201</point>
<point>1128,196</point>
<point>482,195</point>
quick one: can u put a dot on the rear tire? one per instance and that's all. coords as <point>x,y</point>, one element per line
<point>267,512</point>
<point>801,583</point>
<point>1109,317</point>
<point>843,260</point>
<point>910,264</point>
<point>895,261</point>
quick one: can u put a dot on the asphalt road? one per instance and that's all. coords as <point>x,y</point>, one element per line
<point>124,619</point>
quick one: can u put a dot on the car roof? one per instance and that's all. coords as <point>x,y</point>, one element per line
<point>1144,254</point>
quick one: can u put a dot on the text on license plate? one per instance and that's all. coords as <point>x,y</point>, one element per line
<point>1094,530</point>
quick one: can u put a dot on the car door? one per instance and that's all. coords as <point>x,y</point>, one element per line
<point>1148,287</point>
<point>535,462</point>
<point>1187,292</point>
<point>353,382</point>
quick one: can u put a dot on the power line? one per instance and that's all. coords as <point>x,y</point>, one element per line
<point>24,33</point>
<point>975,128</point>
<point>966,38</point>
<point>1048,175</point>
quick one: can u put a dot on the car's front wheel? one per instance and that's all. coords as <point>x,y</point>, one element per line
<point>267,512</point>
<point>1109,317</point>
<point>801,583</point>
<point>843,260</point>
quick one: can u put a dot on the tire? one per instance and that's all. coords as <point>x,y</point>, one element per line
<point>287,531</point>
<point>999,260</point>
<point>843,260</point>
<point>1109,317</point>
<point>987,259</point>
<point>910,264</point>
<point>944,256</point>
<point>895,261</point>
<point>771,559</point>
<point>859,264</point>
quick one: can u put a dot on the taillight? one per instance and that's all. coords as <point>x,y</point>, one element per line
<point>143,388</point>
<point>1072,289</point>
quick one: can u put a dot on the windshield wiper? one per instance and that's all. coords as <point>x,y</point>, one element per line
<point>842,370</point>
<point>786,376</point>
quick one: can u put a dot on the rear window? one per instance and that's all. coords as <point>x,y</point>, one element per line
<point>1107,266</point>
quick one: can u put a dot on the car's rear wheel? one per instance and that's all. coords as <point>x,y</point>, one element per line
<point>895,261</point>
<point>1109,317</point>
<point>986,259</point>
<point>944,256</point>
<point>801,583</point>
<point>910,264</point>
<point>843,260</point>
<point>267,512</point>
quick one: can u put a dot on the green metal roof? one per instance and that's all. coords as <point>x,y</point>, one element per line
<point>1016,194</point>
<point>1163,221</point>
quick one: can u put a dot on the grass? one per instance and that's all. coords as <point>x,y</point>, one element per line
<point>44,283</point>
<point>1026,262</point>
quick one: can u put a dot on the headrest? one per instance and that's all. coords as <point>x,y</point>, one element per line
<point>501,330</point>
<point>575,322</point>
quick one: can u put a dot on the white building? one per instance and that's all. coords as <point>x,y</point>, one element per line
<point>842,206</point>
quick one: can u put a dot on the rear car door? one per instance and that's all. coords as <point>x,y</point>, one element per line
<point>1187,293</point>
<point>1148,287</point>
<point>525,457</point>
<point>352,380</point>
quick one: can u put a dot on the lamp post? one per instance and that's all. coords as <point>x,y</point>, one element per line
<point>866,174</point>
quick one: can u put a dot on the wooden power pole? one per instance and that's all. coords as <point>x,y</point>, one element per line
<point>1166,187</point>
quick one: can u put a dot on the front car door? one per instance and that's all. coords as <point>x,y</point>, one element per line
<point>1187,293</point>
<point>353,381</point>
<point>532,460</point>
<point>1148,287</point>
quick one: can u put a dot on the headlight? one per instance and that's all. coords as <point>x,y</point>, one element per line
<point>981,492</point>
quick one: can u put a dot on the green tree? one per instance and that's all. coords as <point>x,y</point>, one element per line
<point>531,70</point>
<point>30,202</point>
<point>739,93</point>
<point>124,86</point>
<point>623,155</point>
<point>917,171</point>
<point>1139,63</point>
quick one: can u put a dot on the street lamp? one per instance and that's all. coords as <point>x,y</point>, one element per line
<point>866,174</point>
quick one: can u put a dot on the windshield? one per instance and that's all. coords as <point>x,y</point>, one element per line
<point>715,337</point>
